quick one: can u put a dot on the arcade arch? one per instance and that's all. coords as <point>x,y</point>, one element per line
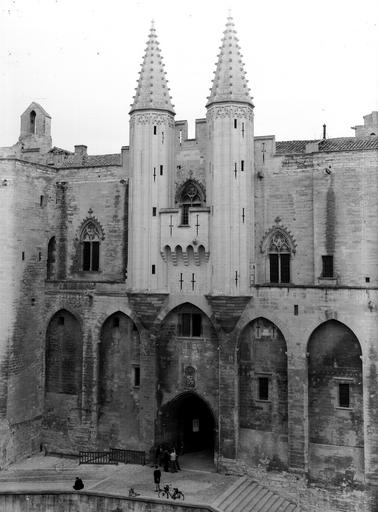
<point>335,402</point>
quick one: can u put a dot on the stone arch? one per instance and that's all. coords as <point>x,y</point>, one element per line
<point>64,354</point>
<point>186,338</point>
<point>188,422</point>
<point>118,381</point>
<point>335,403</point>
<point>263,392</point>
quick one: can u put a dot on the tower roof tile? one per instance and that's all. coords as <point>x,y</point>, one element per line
<point>229,82</point>
<point>152,89</point>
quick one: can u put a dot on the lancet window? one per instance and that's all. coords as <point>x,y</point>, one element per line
<point>190,195</point>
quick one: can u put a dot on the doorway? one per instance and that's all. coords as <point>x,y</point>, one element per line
<point>188,423</point>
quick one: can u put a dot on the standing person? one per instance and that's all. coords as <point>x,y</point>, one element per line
<point>177,462</point>
<point>173,458</point>
<point>165,460</point>
<point>157,477</point>
<point>78,485</point>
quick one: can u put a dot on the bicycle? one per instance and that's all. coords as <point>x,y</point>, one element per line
<point>171,492</point>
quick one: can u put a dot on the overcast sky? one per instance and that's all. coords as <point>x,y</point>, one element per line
<point>307,63</point>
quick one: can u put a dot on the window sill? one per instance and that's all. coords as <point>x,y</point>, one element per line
<point>189,337</point>
<point>350,409</point>
<point>263,401</point>
<point>183,225</point>
<point>327,281</point>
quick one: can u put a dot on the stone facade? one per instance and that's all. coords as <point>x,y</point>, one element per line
<point>215,293</point>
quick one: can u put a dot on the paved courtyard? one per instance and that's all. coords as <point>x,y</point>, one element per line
<point>41,473</point>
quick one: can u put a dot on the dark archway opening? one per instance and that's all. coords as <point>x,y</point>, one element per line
<point>188,423</point>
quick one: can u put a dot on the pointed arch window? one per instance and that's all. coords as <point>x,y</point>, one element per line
<point>190,195</point>
<point>90,239</point>
<point>279,258</point>
<point>32,121</point>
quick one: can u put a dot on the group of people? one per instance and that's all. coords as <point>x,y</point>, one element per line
<point>167,457</point>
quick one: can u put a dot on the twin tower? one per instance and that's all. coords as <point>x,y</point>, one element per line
<point>210,252</point>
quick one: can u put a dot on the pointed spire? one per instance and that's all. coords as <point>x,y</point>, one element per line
<point>229,82</point>
<point>152,91</point>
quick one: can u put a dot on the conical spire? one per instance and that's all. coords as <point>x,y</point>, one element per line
<point>229,83</point>
<point>152,91</point>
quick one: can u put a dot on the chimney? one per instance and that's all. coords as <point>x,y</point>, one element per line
<point>81,150</point>
<point>324,131</point>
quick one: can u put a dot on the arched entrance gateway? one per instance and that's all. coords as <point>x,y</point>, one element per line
<point>188,423</point>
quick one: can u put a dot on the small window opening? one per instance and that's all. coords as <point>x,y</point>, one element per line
<point>33,301</point>
<point>136,376</point>
<point>154,130</point>
<point>61,320</point>
<point>161,170</point>
<point>162,137</point>
<point>263,388</point>
<point>296,309</point>
<point>242,165</point>
<point>32,121</point>
<point>23,255</point>
<point>344,395</point>
<point>154,211</point>
<point>116,321</point>
<point>243,130</point>
<point>41,200</point>
<point>367,279</point>
<point>327,270</point>
<point>153,269</point>
<point>235,123</point>
<point>190,324</point>
<point>39,256</point>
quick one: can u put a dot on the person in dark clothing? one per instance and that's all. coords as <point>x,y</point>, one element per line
<point>166,460</point>
<point>157,477</point>
<point>78,485</point>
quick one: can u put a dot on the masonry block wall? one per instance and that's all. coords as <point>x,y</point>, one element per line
<point>283,376</point>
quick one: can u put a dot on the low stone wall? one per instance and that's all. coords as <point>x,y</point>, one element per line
<point>90,502</point>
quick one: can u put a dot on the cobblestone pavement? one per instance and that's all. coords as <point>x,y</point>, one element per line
<point>40,473</point>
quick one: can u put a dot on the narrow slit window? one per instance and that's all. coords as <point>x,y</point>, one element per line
<point>154,130</point>
<point>137,376</point>
<point>153,269</point>
<point>296,309</point>
<point>242,165</point>
<point>154,211</point>
<point>41,199</point>
<point>263,391</point>
<point>23,255</point>
<point>235,123</point>
<point>162,137</point>
<point>344,395</point>
<point>161,170</point>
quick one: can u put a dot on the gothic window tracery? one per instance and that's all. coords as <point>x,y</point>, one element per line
<point>91,235</point>
<point>279,247</point>
<point>190,195</point>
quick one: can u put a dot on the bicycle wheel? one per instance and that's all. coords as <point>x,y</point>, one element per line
<point>162,493</point>
<point>180,495</point>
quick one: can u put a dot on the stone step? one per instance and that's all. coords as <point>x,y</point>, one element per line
<point>246,495</point>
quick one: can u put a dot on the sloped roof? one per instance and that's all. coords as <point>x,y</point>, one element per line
<point>36,106</point>
<point>152,91</point>
<point>230,82</point>
<point>90,160</point>
<point>337,144</point>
